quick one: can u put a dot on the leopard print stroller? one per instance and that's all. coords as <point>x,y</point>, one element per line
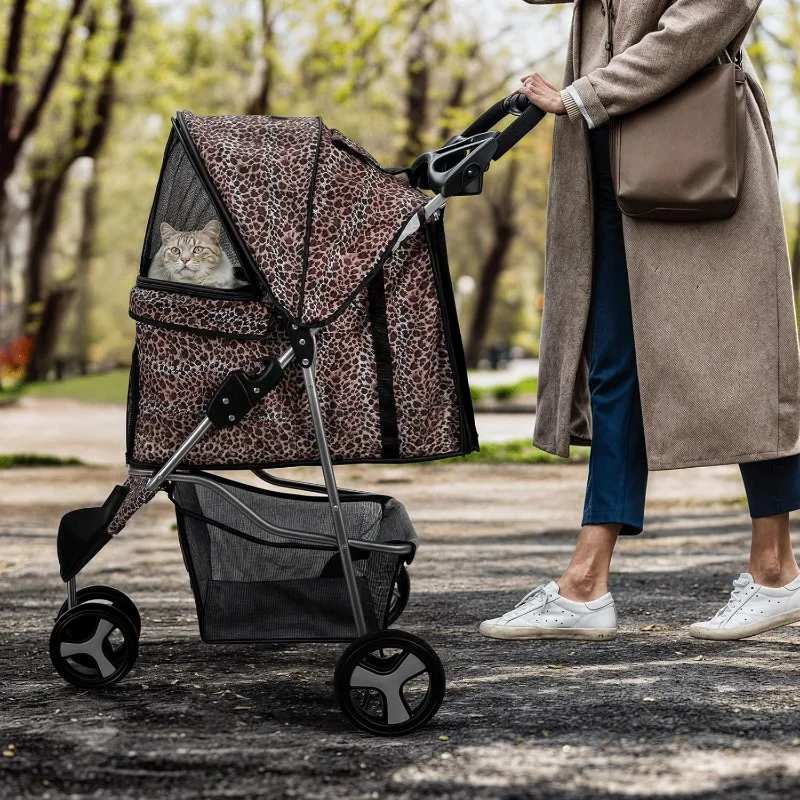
<point>346,278</point>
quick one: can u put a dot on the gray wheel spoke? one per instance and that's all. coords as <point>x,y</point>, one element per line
<point>93,648</point>
<point>390,685</point>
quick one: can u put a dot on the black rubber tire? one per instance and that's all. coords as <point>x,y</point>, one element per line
<point>82,669</point>
<point>401,591</point>
<point>367,653</point>
<point>108,594</point>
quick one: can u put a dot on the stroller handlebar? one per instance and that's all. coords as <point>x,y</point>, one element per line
<point>459,166</point>
<point>515,104</point>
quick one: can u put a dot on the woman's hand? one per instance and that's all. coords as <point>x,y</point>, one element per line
<point>542,93</point>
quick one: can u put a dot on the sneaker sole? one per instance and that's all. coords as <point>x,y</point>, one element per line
<point>528,633</point>
<point>732,634</point>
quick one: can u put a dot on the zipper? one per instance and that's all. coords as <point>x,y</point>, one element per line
<point>242,251</point>
<point>193,290</point>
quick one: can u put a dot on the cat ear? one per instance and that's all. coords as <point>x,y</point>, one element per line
<point>212,229</point>
<point>167,231</point>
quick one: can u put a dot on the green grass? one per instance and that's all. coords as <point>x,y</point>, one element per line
<point>106,387</point>
<point>9,460</point>
<point>505,392</point>
<point>523,452</point>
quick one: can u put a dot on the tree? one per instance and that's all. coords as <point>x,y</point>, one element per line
<point>91,119</point>
<point>17,126</point>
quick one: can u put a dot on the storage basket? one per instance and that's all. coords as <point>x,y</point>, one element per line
<point>250,585</point>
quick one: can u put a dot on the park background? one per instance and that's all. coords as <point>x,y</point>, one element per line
<point>87,91</point>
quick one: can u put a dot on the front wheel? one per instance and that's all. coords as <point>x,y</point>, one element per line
<point>93,645</point>
<point>390,683</point>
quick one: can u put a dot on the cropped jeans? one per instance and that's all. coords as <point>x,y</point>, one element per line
<point>617,483</point>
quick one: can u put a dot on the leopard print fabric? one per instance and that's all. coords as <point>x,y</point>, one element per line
<point>247,319</point>
<point>358,211</point>
<point>180,370</point>
<point>137,497</point>
<point>265,168</point>
<point>187,345</point>
<point>428,410</point>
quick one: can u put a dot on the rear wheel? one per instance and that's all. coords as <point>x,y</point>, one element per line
<point>401,591</point>
<point>390,683</point>
<point>94,645</point>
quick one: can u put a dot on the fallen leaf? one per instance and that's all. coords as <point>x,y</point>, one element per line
<point>653,628</point>
<point>444,738</point>
<point>555,666</point>
<point>648,699</point>
<point>698,658</point>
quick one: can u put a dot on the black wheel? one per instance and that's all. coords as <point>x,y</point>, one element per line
<point>94,645</point>
<point>390,683</point>
<point>398,600</point>
<point>114,597</point>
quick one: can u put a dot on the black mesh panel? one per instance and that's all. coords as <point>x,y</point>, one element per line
<point>265,588</point>
<point>183,202</point>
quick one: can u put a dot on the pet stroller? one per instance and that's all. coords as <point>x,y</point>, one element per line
<point>347,278</point>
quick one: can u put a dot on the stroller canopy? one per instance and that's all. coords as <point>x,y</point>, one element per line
<point>310,214</point>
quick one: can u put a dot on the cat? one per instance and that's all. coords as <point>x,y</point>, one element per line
<point>194,257</point>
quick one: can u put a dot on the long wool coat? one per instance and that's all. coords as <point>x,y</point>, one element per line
<point>712,302</point>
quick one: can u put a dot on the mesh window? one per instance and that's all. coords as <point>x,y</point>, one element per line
<point>183,202</point>
<point>263,589</point>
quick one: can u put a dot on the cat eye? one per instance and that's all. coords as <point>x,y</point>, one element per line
<point>174,250</point>
<point>199,249</point>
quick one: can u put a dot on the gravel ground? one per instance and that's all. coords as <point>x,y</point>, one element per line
<point>651,714</point>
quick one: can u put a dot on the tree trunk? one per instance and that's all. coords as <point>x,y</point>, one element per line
<point>45,205</point>
<point>84,270</point>
<point>504,230</point>
<point>55,309</point>
<point>260,101</point>
<point>418,77</point>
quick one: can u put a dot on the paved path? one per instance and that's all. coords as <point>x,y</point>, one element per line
<point>652,714</point>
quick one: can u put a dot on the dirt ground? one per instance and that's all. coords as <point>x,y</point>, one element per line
<point>651,714</point>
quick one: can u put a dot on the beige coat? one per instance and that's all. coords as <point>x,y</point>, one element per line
<point>712,302</point>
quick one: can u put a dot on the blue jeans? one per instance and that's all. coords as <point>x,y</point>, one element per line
<point>617,484</point>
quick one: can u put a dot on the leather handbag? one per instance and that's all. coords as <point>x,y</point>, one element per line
<point>682,157</point>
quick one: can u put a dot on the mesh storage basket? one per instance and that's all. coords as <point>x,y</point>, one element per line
<point>250,585</point>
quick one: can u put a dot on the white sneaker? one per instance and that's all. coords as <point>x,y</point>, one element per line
<point>752,609</point>
<point>544,614</point>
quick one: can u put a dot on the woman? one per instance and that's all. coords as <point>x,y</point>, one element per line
<point>664,344</point>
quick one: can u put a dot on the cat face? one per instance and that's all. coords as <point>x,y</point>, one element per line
<point>190,256</point>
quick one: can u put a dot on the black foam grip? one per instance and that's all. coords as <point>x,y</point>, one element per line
<point>488,119</point>
<point>518,130</point>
